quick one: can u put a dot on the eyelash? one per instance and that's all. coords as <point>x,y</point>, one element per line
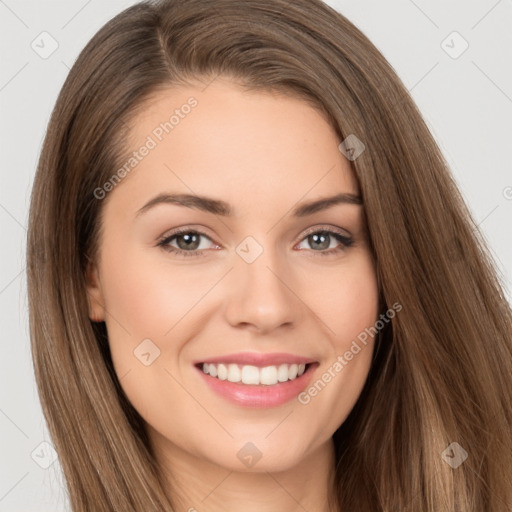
<point>164,243</point>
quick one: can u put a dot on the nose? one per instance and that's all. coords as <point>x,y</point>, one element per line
<point>261,295</point>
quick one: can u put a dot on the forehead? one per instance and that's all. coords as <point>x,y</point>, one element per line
<point>249,148</point>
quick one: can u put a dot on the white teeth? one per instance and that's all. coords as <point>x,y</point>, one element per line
<point>222,372</point>
<point>268,375</point>
<point>253,375</point>
<point>250,375</point>
<point>234,373</point>
<point>282,373</point>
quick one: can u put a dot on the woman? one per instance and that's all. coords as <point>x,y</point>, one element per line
<point>194,347</point>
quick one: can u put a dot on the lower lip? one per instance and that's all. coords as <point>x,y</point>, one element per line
<point>260,396</point>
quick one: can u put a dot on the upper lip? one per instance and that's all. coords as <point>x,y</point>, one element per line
<point>257,359</point>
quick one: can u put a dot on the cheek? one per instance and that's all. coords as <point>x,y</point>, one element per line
<point>147,304</point>
<point>347,299</point>
<point>148,297</point>
<point>349,308</point>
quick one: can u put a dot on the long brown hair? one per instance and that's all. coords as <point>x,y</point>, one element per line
<point>442,370</point>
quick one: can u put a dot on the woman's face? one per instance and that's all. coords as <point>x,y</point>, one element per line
<point>261,290</point>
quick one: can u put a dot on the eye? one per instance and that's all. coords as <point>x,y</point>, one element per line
<point>188,242</point>
<point>323,239</point>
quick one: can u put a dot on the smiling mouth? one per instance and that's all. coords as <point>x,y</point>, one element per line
<point>254,375</point>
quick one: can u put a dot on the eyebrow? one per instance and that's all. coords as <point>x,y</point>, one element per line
<point>219,207</point>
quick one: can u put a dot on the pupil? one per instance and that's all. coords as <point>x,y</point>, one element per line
<point>190,239</point>
<point>324,244</point>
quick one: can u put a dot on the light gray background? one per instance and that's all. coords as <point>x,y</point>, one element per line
<point>466,102</point>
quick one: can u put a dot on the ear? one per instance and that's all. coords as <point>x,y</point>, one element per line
<point>94,294</point>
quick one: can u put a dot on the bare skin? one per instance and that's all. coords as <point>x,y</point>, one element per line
<point>264,154</point>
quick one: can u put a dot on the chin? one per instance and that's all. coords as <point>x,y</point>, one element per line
<point>250,458</point>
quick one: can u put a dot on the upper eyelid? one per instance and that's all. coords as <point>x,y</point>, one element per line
<point>180,231</point>
<point>325,227</point>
